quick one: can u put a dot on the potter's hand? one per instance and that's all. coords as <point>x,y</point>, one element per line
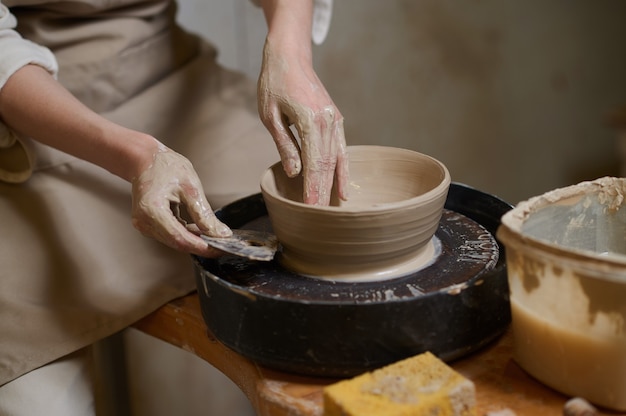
<point>157,194</point>
<point>289,92</point>
<point>161,179</point>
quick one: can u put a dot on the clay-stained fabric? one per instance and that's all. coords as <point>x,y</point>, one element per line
<point>72,268</point>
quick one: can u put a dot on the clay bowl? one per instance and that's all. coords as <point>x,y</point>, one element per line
<point>566,262</point>
<point>384,230</point>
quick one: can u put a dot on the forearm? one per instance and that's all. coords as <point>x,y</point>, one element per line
<point>33,103</point>
<point>289,26</point>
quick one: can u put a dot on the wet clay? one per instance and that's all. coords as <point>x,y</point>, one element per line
<point>566,260</point>
<point>365,272</point>
<point>396,201</point>
<point>560,357</point>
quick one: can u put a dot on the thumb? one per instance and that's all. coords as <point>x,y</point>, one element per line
<point>204,217</point>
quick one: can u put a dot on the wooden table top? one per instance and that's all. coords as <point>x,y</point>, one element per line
<point>500,383</point>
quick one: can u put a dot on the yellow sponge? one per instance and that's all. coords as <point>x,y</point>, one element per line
<point>419,386</point>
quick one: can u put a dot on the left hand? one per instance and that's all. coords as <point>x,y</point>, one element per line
<point>289,92</point>
<point>157,194</point>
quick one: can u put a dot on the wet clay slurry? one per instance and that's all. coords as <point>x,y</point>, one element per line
<point>396,197</point>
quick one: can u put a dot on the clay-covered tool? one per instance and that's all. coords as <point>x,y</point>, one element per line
<point>251,244</point>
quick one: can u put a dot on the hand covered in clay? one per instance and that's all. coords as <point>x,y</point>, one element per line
<point>289,92</point>
<point>157,194</point>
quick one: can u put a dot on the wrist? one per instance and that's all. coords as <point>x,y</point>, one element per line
<point>135,152</point>
<point>289,25</point>
<point>291,53</point>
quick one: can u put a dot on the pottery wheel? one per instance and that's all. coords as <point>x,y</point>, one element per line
<point>455,304</point>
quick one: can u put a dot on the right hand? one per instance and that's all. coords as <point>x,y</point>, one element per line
<point>290,92</point>
<point>157,195</point>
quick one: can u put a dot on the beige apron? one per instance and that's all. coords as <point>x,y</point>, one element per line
<point>72,268</point>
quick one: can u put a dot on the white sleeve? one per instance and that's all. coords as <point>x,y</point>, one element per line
<point>17,52</point>
<point>322,14</point>
<point>16,158</point>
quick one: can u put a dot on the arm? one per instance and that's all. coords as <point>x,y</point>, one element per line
<point>291,93</point>
<point>33,103</point>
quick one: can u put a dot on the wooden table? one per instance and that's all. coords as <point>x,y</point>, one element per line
<point>500,383</point>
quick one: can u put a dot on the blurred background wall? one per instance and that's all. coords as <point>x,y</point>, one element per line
<point>512,96</point>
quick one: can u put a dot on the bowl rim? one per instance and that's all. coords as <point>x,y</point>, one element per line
<point>438,191</point>
<point>510,229</point>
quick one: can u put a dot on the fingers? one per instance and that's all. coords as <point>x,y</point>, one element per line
<point>160,224</point>
<point>342,173</point>
<point>286,144</point>
<point>202,214</point>
<point>319,158</point>
<point>324,157</point>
